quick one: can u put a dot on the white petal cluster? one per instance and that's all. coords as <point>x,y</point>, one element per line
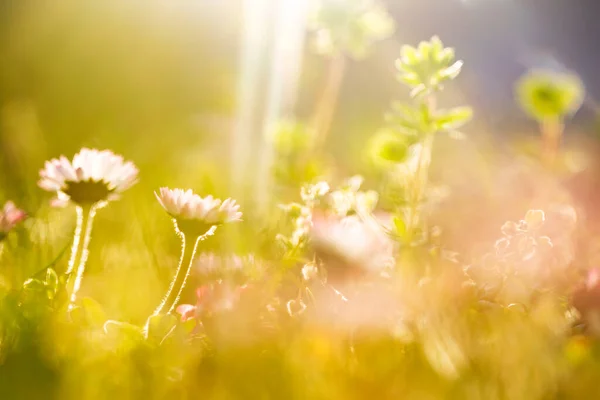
<point>186,205</point>
<point>93,176</point>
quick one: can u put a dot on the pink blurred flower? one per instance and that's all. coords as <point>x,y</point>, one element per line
<point>351,243</point>
<point>92,177</point>
<point>10,216</point>
<point>210,299</point>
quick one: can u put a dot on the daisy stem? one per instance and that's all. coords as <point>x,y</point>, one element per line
<point>186,260</point>
<point>87,220</point>
<point>187,274</point>
<point>76,240</point>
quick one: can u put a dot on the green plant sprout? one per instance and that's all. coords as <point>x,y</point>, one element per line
<point>424,69</point>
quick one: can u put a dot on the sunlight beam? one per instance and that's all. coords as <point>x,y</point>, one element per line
<point>285,67</point>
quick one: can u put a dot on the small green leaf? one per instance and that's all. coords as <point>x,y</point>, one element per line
<point>51,280</point>
<point>189,325</point>
<point>452,71</point>
<point>34,285</point>
<point>94,313</point>
<point>287,243</point>
<point>437,47</point>
<point>452,119</point>
<point>418,91</point>
<point>446,56</point>
<point>410,79</point>
<point>425,50</point>
<point>77,315</point>
<point>123,330</point>
<point>294,210</point>
<point>400,227</point>
<point>160,325</point>
<point>408,55</point>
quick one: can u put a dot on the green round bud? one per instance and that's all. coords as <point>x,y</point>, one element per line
<point>547,94</point>
<point>389,147</point>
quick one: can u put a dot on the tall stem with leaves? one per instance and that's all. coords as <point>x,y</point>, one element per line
<point>424,69</point>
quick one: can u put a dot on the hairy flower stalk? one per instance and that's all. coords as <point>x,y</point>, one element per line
<point>85,220</point>
<point>188,252</point>
<point>91,180</point>
<point>195,218</point>
<point>76,239</point>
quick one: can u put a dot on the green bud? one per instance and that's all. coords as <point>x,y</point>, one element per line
<point>388,147</point>
<point>547,94</point>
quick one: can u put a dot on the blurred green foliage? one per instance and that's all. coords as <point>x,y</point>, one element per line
<point>349,27</point>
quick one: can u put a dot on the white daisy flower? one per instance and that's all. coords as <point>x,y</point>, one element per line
<point>197,214</point>
<point>94,176</point>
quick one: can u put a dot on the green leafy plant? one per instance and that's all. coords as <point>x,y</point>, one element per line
<point>424,69</point>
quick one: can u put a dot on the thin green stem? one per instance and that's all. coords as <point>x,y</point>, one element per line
<point>421,175</point>
<point>75,282</point>
<point>186,275</point>
<point>419,184</point>
<point>327,102</point>
<point>552,132</point>
<point>186,255</point>
<point>169,302</point>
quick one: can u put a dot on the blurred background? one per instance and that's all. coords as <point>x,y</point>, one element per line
<point>189,90</point>
<point>171,84</point>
